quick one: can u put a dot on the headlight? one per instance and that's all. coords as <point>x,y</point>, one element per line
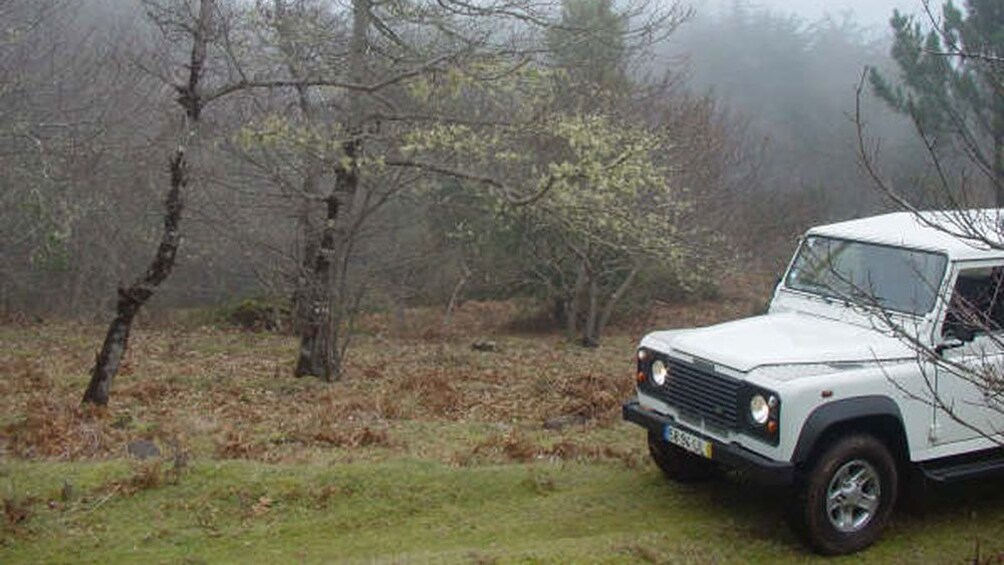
<point>764,417</point>
<point>759,409</point>
<point>659,372</point>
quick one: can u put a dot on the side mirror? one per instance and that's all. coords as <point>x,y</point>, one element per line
<point>956,330</point>
<point>948,343</point>
<point>955,338</point>
<point>965,334</point>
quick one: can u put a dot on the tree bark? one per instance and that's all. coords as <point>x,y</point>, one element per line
<point>616,297</point>
<point>572,310</point>
<point>997,136</point>
<point>455,295</point>
<point>132,298</point>
<point>304,277</point>
<point>302,296</point>
<point>589,336</point>
<point>317,356</point>
<point>320,349</point>
<point>998,172</point>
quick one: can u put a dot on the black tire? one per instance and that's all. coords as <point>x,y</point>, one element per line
<point>843,503</point>
<point>678,464</point>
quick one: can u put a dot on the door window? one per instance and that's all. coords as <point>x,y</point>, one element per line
<point>977,303</point>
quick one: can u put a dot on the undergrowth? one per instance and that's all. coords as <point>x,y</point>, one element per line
<point>427,451</point>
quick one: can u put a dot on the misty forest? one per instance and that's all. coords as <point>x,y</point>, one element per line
<point>362,280</point>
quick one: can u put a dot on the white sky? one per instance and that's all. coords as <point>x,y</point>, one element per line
<point>868,13</point>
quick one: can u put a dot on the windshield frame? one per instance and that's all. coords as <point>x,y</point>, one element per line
<point>825,296</point>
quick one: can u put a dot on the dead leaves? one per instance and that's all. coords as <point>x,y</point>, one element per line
<point>353,438</point>
<point>515,446</point>
<point>17,511</point>
<point>60,429</point>
<point>222,393</point>
<point>261,507</point>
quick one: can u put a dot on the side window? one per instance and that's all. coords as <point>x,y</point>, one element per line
<point>977,303</point>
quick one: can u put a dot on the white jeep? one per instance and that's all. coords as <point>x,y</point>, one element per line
<point>880,356</point>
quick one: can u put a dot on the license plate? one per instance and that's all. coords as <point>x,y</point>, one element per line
<point>687,441</point>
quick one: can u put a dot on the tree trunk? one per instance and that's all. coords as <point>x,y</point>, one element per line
<point>455,295</point>
<point>76,295</point>
<point>999,166</point>
<point>317,355</point>
<point>131,299</point>
<point>572,309</point>
<point>320,352</point>
<point>589,334</point>
<point>615,298</point>
<point>997,137</point>
<point>305,279</point>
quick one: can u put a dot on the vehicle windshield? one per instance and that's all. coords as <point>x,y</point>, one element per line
<point>904,280</point>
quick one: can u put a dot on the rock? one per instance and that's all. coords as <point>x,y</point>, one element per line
<point>562,422</point>
<point>485,345</point>
<point>143,449</point>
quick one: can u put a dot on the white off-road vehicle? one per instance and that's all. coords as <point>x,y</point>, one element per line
<point>878,359</point>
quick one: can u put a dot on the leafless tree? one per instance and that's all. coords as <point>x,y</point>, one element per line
<point>368,89</point>
<point>200,30</point>
<point>963,181</point>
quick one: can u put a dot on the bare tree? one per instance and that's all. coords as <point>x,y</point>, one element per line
<point>133,297</point>
<point>367,94</point>
<point>382,91</point>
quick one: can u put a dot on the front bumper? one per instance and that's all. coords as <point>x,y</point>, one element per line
<point>759,468</point>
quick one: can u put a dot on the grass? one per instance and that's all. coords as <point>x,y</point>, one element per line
<point>426,452</point>
<point>407,510</point>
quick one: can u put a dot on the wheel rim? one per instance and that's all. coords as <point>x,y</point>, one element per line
<point>853,496</point>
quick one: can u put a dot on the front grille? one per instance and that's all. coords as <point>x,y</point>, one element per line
<point>699,392</point>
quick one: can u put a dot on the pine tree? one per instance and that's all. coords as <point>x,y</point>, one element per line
<point>588,46</point>
<point>951,83</point>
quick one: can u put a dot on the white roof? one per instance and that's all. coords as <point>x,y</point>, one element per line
<point>960,234</point>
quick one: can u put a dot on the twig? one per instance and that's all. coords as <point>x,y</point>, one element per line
<point>105,499</point>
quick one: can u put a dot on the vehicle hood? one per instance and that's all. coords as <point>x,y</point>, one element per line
<point>782,338</point>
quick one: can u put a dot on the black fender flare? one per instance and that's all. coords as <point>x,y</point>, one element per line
<point>841,411</point>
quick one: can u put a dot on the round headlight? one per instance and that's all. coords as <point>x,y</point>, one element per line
<point>659,372</point>
<point>759,409</point>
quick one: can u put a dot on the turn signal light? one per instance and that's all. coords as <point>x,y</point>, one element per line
<point>772,427</point>
<point>641,377</point>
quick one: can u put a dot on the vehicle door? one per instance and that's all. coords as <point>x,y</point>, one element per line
<point>968,396</point>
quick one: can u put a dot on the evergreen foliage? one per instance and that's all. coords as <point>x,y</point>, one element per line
<point>589,49</point>
<point>950,83</point>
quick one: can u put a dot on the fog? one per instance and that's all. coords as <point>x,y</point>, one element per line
<point>873,14</point>
<point>788,71</point>
<point>757,119</point>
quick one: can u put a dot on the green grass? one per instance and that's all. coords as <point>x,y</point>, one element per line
<point>461,470</point>
<point>409,510</point>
